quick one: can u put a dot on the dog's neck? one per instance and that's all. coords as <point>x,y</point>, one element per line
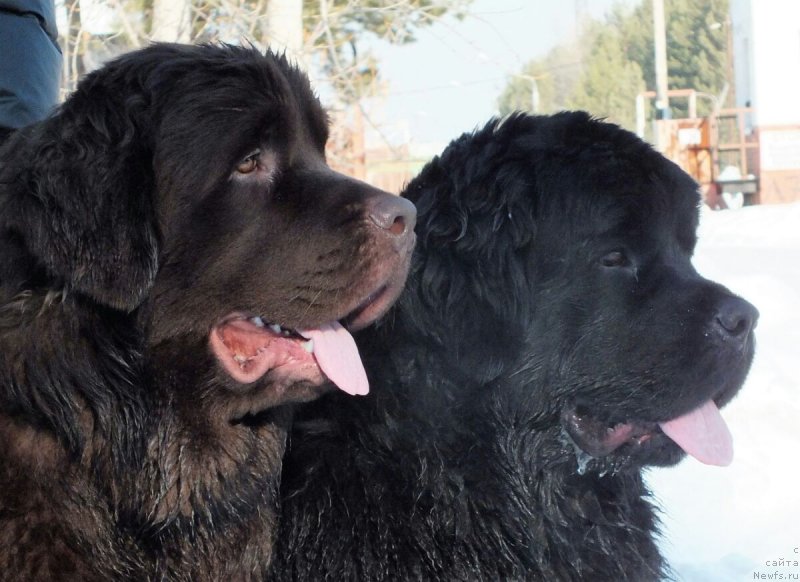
<point>140,477</point>
<point>451,467</point>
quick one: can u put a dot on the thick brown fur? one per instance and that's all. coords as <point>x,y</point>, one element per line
<point>177,185</point>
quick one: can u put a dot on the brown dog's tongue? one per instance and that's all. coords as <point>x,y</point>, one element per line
<point>703,434</point>
<point>337,355</point>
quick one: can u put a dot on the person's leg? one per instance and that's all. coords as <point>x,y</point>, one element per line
<point>30,62</point>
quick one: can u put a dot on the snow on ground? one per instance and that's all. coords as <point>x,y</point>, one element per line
<point>740,522</point>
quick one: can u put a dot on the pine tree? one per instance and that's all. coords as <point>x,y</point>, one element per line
<point>696,44</point>
<point>610,81</point>
<point>696,49</point>
<point>556,76</point>
<point>618,61</point>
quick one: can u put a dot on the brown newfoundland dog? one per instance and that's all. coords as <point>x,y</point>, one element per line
<point>552,341</point>
<point>178,265</point>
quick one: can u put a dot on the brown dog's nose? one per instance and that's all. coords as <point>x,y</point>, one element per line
<point>393,214</point>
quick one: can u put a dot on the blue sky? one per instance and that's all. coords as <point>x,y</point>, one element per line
<point>449,80</point>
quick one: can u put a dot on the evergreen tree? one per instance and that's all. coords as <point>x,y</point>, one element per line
<point>556,76</point>
<point>618,61</point>
<point>610,81</point>
<point>697,50</point>
<point>696,45</point>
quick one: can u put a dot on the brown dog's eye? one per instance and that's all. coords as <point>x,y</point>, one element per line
<point>615,259</point>
<point>249,164</point>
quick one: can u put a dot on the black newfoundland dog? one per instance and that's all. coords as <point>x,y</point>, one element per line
<point>552,341</point>
<point>177,266</point>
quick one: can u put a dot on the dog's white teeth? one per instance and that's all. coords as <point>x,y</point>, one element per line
<point>275,327</point>
<point>257,321</point>
<point>308,346</point>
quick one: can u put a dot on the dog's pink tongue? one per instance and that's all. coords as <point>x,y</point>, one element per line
<point>703,434</point>
<point>337,355</point>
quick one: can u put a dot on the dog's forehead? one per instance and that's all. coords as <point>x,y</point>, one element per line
<point>620,200</point>
<point>227,106</point>
<point>219,89</point>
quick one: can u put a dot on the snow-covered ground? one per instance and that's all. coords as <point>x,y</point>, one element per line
<point>740,522</point>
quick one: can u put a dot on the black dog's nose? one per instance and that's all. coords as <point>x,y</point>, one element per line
<point>735,318</point>
<point>393,214</point>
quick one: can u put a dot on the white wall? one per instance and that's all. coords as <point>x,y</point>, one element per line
<point>766,40</point>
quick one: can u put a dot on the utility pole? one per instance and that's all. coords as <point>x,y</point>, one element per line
<point>580,17</point>
<point>660,42</point>
<point>729,60</point>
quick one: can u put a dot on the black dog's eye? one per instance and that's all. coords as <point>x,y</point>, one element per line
<point>615,259</point>
<point>249,164</point>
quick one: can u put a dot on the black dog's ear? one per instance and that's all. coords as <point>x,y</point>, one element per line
<point>468,290</point>
<point>78,191</point>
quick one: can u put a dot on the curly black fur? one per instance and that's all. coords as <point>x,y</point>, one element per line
<point>129,226</point>
<point>552,272</point>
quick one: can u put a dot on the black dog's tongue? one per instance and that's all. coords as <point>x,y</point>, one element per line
<point>703,434</point>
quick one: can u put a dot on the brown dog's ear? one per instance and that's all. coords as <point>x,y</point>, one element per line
<point>79,190</point>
